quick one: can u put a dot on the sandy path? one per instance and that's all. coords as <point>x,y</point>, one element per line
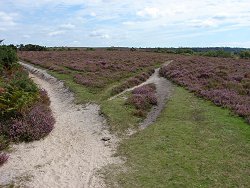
<point>71,154</point>
<point>164,89</point>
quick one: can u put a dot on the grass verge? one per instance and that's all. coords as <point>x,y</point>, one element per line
<point>193,144</point>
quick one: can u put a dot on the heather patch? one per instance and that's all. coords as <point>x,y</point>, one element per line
<point>224,81</point>
<point>99,68</point>
<point>143,98</point>
<point>24,109</point>
<point>3,158</point>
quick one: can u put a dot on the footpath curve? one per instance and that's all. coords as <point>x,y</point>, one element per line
<point>73,152</point>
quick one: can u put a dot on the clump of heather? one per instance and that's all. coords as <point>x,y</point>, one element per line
<point>224,81</point>
<point>43,97</point>
<point>34,125</point>
<point>39,121</point>
<point>143,98</point>
<point>3,158</point>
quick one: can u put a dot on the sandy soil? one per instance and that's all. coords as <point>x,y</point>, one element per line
<point>164,89</point>
<point>71,155</point>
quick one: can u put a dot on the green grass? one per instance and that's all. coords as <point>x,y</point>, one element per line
<point>120,116</point>
<point>192,144</point>
<point>82,94</point>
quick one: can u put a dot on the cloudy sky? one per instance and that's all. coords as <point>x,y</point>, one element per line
<point>132,23</point>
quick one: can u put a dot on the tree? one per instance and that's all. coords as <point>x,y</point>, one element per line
<point>245,54</point>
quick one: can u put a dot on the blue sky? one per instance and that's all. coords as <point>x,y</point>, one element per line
<point>132,23</point>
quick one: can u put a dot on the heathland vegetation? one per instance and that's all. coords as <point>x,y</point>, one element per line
<point>224,81</point>
<point>24,108</point>
<point>201,139</point>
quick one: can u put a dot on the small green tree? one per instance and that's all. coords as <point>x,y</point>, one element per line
<point>8,57</point>
<point>245,54</point>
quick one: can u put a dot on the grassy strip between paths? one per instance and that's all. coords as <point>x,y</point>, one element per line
<point>193,144</point>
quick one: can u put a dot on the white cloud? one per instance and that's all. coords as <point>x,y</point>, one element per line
<point>129,23</point>
<point>55,33</point>
<point>7,20</point>
<point>99,34</point>
<point>204,23</point>
<point>26,36</point>
<point>93,14</point>
<point>67,26</point>
<point>149,11</point>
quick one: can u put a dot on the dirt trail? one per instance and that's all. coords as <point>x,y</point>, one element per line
<point>71,154</point>
<point>163,91</point>
<point>164,88</point>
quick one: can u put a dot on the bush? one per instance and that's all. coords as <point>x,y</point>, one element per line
<point>15,101</point>
<point>32,47</point>
<point>40,121</point>
<point>8,57</point>
<point>34,125</point>
<point>21,80</point>
<point>143,98</point>
<point>245,54</point>
<point>143,90</point>
<point>184,51</point>
<point>3,158</point>
<point>90,49</point>
<point>3,141</point>
<point>217,53</point>
<point>43,97</point>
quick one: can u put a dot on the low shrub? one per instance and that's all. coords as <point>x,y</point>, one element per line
<point>20,80</point>
<point>3,142</point>
<point>143,98</point>
<point>32,47</point>
<point>14,102</point>
<point>40,122</point>
<point>143,90</point>
<point>34,125</point>
<point>43,97</point>
<point>8,57</point>
<point>3,158</point>
<point>245,54</point>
